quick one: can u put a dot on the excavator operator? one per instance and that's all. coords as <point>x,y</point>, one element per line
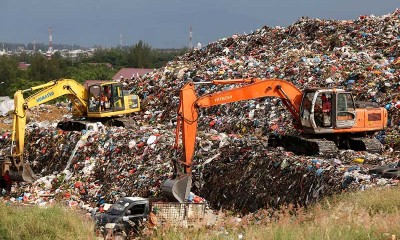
<point>105,98</point>
<point>326,104</point>
<point>326,110</point>
<point>322,111</point>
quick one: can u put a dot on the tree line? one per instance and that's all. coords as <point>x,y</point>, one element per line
<point>81,68</point>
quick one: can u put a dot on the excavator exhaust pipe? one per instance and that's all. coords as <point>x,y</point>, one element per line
<point>177,188</point>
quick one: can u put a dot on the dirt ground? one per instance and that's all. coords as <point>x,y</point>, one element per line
<point>39,114</point>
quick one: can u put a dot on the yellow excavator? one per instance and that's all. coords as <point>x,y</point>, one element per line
<point>102,102</point>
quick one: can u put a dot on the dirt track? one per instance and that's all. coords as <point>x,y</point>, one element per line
<point>39,114</point>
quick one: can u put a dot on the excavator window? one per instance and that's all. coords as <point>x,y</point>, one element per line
<point>94,98</point>
<point>345,102</point>
<point>345,107</point>
<point>323,109</point>
<point>306,109</point>
<point>118,97</point>
<point>105,98</point>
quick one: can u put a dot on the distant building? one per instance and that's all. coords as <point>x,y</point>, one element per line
<point>23,65</point>
<point>3,52</point>
<point>131,73</point>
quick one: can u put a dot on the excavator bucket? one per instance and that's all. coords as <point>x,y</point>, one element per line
<point>27,173</point>
<point>177,188</point>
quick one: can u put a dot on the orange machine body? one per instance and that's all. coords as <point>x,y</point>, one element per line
<point>345,117</point>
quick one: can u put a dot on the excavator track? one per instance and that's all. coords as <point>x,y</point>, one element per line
<point>71,125</point>
<point>371,145</point>
<point>82,125</point>
<point>125,122</point>
<point>309,146</point>
<point>315,146</point>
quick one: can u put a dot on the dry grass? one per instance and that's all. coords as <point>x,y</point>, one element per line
<point>372,214</point>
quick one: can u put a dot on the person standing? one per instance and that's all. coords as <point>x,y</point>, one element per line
<point>7,178</point>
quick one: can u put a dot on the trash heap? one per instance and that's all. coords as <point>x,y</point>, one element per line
<point>233,166</point>
<point>359,55</point>
<point>246,177</point>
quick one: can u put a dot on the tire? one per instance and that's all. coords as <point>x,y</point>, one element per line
<point>392,173</point>
<point>380,170</point>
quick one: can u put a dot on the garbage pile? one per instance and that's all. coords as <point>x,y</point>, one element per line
<point>233,166</point>
<point>236,172</point>
<point>359,55</point>
<point>6,105</point>
<point>246,177</point>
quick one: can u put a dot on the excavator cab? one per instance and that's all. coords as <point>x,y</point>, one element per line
<point>105,98</point>
<point>323,110</point>
<point>109,100</point>
<point>106,102</point>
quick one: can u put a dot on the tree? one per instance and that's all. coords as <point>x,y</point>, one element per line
<point>115,56</point>
<point>140,55</point>
<point>38,69</point>
<point>85,72</point>
<point>8,74</point>
<point>43,69</point>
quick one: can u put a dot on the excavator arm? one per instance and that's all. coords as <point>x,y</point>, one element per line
<point>49,91</point>
<point>188,115</point>
<point>188,110</point>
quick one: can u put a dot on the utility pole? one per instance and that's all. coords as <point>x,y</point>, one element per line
<point>190,37</point>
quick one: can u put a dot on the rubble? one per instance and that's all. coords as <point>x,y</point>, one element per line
<point>234,168</point>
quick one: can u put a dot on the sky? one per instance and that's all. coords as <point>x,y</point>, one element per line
<point>164,23</point>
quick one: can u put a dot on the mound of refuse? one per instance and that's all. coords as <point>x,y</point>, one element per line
<point>233,166</point>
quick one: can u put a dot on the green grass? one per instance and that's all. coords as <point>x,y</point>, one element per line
<point>32,222</point>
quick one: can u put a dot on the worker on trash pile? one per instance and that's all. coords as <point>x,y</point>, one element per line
<point>7,178</point>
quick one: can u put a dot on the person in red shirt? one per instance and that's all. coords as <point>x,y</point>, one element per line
<point>326,110</point>
<point>326,104</point>
<point>7,178</point>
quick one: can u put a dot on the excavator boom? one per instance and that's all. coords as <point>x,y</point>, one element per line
<point>189,104</point>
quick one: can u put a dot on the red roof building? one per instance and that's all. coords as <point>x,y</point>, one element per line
<point>130,73</point>
<point>23,65</point>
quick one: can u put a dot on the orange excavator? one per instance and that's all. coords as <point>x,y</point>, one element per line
<point>343,124</point>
